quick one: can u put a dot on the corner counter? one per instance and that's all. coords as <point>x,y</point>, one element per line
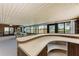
<point>37,44</point>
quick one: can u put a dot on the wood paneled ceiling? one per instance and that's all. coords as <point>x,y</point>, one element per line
<point>35,13</point>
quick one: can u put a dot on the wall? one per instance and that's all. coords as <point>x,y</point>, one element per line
<point>2,28</point>
<point>77,26</point>
<point>73,49</point>
<point>7,25</point>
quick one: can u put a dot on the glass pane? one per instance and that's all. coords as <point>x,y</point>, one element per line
<point>25,29</point>
<point>11,30</point>
<point>41,29</point>
<point>32,29</point>
<point>61,28</point>
<point>52,29</point>
<point>37,29</point>
<point>6,30</point>
<point>28,29</point>
<point>67,27</point>
<point>45,28</point>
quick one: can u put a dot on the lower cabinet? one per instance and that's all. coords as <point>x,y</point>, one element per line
<point>42,53</point>
<point>73,49</point>
<point>20,52</point>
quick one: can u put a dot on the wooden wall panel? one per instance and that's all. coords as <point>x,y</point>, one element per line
<point>73,49</point>
<point>2,29</point>
<point>77,26</point>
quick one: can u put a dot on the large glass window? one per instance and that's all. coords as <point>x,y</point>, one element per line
<point>67,27</point>
<point>37,29</point>
<point>28,30</point>
<point>52,29</point>
<point>32,29</point>
<point>41,29</point>
<point>45,28</point>
<point>25,29</point>
<point>6,30</point>
<point>61,28</point>
<point>11,30</point>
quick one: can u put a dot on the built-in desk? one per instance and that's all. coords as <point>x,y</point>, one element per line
<point>37,44</point>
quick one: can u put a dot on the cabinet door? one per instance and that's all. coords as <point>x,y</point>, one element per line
<point>73,49</point>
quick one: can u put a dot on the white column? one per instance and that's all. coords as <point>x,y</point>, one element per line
<point>72,26</point>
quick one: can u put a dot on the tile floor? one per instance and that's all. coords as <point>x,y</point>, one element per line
<point>8,47</point>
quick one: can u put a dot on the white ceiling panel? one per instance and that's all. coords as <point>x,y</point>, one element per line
<point>35,13</point>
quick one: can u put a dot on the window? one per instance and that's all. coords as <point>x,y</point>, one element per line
<point>32,29</point>
<point>11,30</point>
<point>28,30</point>
<point>67,27</point>
<point>45,28</point>
<point>61,28</point>
<point>42,28</point>
<point>52,29</point>
<point>6,30</point>
<point>25,29</point>
<point>37,29</point>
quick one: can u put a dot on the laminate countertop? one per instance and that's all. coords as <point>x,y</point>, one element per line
<point>33,45</point>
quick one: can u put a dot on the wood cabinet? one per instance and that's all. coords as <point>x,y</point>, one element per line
<point>42,53</point>
<point>73,49</point>
<point>77,26</point>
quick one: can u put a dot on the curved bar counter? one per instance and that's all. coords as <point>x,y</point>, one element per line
<point>37,44</point>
